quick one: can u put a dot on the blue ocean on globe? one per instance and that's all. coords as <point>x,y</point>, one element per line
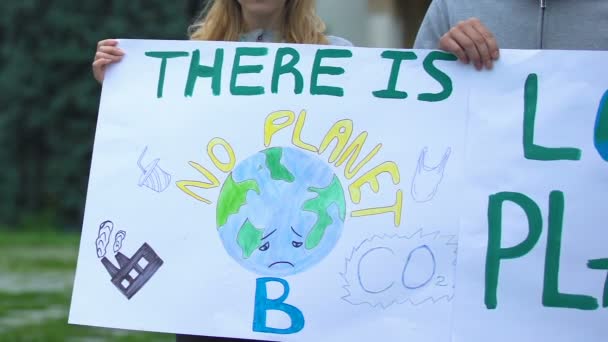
<point>280,211</point>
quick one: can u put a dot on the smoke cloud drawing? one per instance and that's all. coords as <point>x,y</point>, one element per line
<point>386,270</point>
<point>118,239</point>
<point>103,238</point>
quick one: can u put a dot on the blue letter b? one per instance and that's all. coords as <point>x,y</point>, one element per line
<point>263,304</point>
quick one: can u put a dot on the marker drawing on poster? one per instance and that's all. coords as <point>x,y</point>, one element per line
<point>283,170</point>
<point>133,273</point>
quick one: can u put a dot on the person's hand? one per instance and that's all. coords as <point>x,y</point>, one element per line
<point>472,42</point>
<point>107,53</point>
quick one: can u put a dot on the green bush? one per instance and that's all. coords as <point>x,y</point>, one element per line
<point>50,100</point>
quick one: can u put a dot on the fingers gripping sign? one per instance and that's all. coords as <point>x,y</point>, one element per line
<point>472,42</point>
<point>107,53</point>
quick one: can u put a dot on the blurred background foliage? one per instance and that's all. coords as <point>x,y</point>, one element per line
<point>48,114</point>
<point>50,100</point>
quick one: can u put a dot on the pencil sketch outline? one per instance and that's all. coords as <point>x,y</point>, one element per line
<point>118,239</point>
<point>153,176</point>
<point>422,190</point>
<point>438,286</point>
<point>103,238</point>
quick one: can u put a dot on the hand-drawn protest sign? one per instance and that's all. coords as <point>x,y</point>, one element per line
<point>532,256</point>
<point>292,192</point>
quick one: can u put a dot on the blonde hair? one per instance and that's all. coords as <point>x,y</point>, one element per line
<point>222,20</point>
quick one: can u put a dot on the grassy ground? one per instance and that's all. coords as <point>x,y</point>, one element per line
<point>36,276</point>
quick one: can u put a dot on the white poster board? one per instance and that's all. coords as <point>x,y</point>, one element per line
<point>324,207</point>
<point>318,193</point>
<point>533,232</point>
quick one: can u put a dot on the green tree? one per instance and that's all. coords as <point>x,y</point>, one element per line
<point>49,99</point>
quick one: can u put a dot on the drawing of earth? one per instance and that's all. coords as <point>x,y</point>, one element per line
<point>280,211</point>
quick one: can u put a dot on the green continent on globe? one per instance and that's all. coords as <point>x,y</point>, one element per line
<point>277,170</point>
<point>320,205</point>
<point>249,238</point>
<point>232,197</point>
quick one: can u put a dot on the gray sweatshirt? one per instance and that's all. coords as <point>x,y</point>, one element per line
<point>523,24</point>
